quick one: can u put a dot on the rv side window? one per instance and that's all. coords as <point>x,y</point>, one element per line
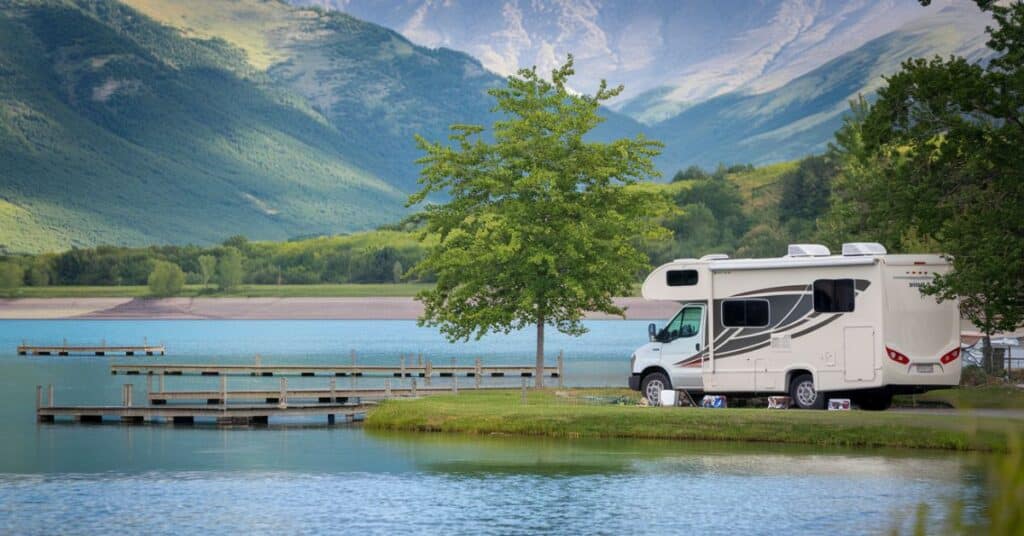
<point>681,278</point>
<point>833,295</point>
<point>745,313</point>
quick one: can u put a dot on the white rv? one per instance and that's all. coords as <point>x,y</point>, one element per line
<point>811,325</point>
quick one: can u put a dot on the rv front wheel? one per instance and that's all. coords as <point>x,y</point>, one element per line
<point>652,386</point>
<point>802,391</point>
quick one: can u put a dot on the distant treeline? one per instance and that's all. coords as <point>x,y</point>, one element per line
<point>374,257</point>
<point>738,210</point>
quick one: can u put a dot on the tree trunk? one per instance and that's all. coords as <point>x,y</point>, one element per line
<point>538,374</point>
<point>986,354</point>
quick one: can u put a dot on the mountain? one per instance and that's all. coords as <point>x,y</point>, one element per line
<point>669,54</point>
<point>160,121</point>
<point>173,121</point>
<point>800,117</point>
<point>115,128</point>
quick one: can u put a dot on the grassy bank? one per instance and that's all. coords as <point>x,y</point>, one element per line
<point>574,414</point>
<point>989,397</point>
<point>246,291</point>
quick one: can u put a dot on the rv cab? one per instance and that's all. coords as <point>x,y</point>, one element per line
<point>809,324</point>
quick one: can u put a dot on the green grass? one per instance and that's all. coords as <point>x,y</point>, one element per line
<point>547,413</point>
<point>989,397</point>
<point>249,291</point>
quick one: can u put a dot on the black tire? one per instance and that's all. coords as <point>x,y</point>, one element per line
<point>798,392</point>
<point>877,402</point>
<point>655,381</point>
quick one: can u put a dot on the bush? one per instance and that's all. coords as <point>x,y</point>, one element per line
<point>229,269</point>
<point>11,277</point>
<point>166,279</point>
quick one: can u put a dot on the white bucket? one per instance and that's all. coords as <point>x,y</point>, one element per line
<point>668,398</point>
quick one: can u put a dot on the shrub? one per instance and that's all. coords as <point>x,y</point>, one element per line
<point>11,277</point>
<point>229,269</point>
<point>166,279</point>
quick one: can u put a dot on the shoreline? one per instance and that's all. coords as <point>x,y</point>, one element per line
<point>291,308</point>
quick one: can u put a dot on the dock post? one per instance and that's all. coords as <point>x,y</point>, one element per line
<point>39,397</point>
<point>477,371</point>
<point>334,395</point>
<point>401,368</point>
<point>162,382</point>
<point>419,360</point>
<point>524,389</point>
<point>149,384</point>
<point>561,369</point>
<point>126,395</point>
<point>49,395</point>
<point>282,399</point>
<point>455,383</point>
<point>352,372</point>
<point>414,387</point>
<point>223,390</point>
<point>257,360</point>
<point>429,372</point>
<point>387,388</point>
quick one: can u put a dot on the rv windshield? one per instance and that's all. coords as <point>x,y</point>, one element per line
<point>686,323</point>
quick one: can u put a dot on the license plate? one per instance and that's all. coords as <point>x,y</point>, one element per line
<point>926,369</point>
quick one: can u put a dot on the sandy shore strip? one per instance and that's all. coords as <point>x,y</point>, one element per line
<point>262,309</point>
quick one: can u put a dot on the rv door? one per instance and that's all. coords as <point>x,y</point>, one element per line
<point>683,340</point>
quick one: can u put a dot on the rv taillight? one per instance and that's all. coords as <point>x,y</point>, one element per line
<point>950,356</point>
<point>896,356</point>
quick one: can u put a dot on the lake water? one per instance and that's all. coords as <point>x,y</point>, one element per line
<point>314,479</point>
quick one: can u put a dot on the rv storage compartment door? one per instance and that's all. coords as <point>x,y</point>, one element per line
<point>859,353</point>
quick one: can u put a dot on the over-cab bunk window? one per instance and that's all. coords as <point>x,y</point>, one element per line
<point>834,295</point>
<point>745,313</point>
<point>681,278</point>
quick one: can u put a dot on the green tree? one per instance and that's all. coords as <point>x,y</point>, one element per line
<point>39,273</point>
<point>166,279</point>
<point>207,268</point>
<point>540,225</point>
<point>230,271</point>
<point>806,189</point>
<point>937,159</point>
<point>11,277</point>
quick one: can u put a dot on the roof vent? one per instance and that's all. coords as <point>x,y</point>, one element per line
<point>807,250</point>
<point>863,248</point>
<point>714,257</point>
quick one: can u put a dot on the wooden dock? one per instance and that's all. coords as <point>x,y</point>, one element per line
<point>258,414</point>
<point>101,349</point>
<point>427,370</point>
<point>330,394</point>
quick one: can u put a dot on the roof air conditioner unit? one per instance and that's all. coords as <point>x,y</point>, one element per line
<point>807,250</point>
<point>863,248</point>
<point>714,257</point>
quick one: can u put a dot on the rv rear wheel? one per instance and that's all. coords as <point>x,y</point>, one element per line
<point>803,393</point>
<point>652,386</point>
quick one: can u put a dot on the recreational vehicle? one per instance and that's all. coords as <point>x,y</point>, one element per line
<point>810,324</point>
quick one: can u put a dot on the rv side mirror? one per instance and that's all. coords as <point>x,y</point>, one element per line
<point>652,331</point>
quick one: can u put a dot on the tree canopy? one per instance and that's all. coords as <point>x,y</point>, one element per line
<point>539,226</point>
<point>936,161</point>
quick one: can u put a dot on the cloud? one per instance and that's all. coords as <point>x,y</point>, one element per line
<point>415,29</point>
